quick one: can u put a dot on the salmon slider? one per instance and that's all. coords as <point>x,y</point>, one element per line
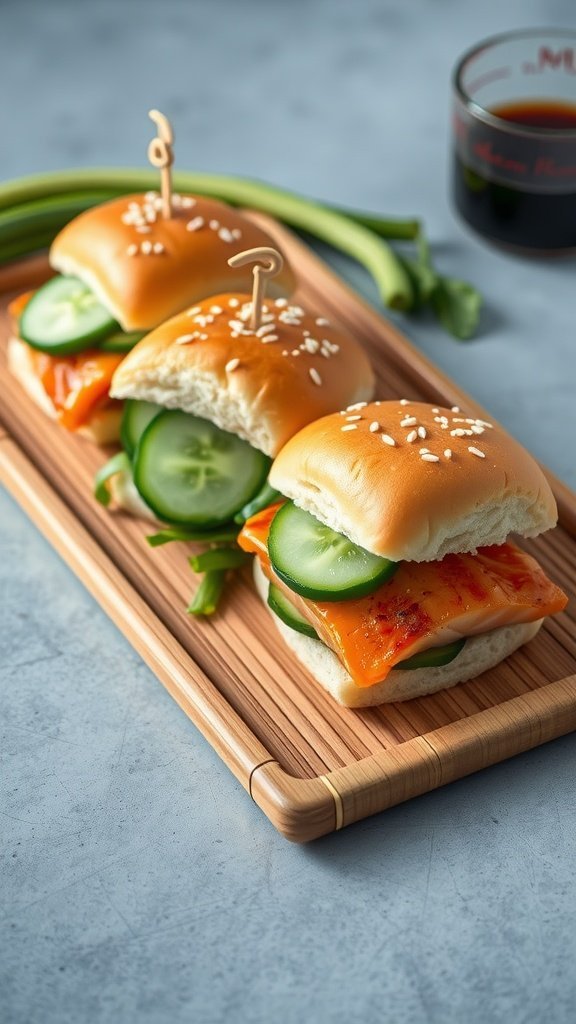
<point>388,569</point>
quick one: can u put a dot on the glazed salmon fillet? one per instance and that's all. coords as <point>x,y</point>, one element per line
<point>425,604</point>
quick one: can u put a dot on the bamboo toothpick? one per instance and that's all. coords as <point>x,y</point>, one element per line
<point>160,155</point>
<point>268,262</point>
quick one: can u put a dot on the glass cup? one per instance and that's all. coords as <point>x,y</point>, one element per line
<point>514,126</point>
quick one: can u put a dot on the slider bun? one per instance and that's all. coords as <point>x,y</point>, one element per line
<point>479,654</point>
<point>271,393</point>
<point>103,427</point>
<point>141,290</point>
<point>391,501</point>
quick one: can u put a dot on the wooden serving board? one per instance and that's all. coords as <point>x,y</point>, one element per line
<point>310,765</point>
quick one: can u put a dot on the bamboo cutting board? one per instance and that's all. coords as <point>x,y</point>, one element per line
<point>310,765</point>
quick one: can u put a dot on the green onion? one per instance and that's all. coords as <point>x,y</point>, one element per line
<point>34,209</point>
<point>328,225</point>
<point>206,598</point>
<point>175,533</point>
<point>119,463</point>
<point>219,558</point>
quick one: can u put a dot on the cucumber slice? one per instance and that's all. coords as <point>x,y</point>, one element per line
<point>286,611</point>
<point>266,496</point>
<point>434,657</point>
<point>64,317</point>
<point>135,418</point>
<point>319,563</point>
<point>190,472</point>
<point>121,341</point>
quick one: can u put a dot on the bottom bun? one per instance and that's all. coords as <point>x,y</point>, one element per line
<point>479,654</point>
<point>103,427</point>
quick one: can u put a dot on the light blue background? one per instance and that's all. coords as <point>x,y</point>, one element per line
<point>139,882</point>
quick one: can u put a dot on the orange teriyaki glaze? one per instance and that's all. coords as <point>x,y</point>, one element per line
<point>425,604</point>
<point>77,385</point>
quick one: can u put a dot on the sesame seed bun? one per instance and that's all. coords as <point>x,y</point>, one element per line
<point>145,269</point>
<point>412,481</point>
<point>262,386</point>
<point>479,654</point>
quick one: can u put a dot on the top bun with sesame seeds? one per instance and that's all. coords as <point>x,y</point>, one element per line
<point>410,481</point>
<point>144,268</point>
<point>262,385</point>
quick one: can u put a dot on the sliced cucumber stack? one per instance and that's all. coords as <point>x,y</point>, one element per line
<point>135,418</point>
<point>64,317</point>
<point>286,611</point>
<point>190,472</point>
<point>316,562</point>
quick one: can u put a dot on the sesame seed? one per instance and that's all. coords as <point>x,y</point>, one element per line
<point>295,352</point>
<point>456,408</point>
<point>428,457</point>
<point>311,345</point>
<point>388,440</point>
<point>483,423</point>
<point>143,229</point>
<point>132,249</point>
<point>435,410</point>
<point>477,453</point>
<point>411,437</point>
<point>216,310</point>
<point>357,405</point>
<point>424,450</point>
<point>225,235</point>
<point>231,365</point>
<point>236,233</point>
<point>448,453</point>
<point>149,195</point>
<point>280,303</point>
<point>353,418</point>
<point>422,432</point>
<point>195,224</point>
<point>193,311</point>
<point>268,338</point>
<point>315,376</point>
<point>476,429</point>
<point>158,248</point>
<point>374,426</point>
<point>349,426</point>
<point>187,202</point>
<point>404,401</point>
<point>324,352</point>
<point>285,352</point>
<point>408,421</point>
<point>146,247</point>
<point>185,339</point>
<point>264,329</point>
<point>214,224</point>
<point>458,432</point>
<point>322,322</point>
<point>233,303</point>
<point>203,337</point>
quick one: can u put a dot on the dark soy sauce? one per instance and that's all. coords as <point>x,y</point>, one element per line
<point>520,217</point>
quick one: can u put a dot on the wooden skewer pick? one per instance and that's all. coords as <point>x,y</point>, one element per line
<point>160,155</point>
<point>268,262</point>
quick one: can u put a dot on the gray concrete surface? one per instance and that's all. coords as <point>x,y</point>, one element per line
<point>138,881</point>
